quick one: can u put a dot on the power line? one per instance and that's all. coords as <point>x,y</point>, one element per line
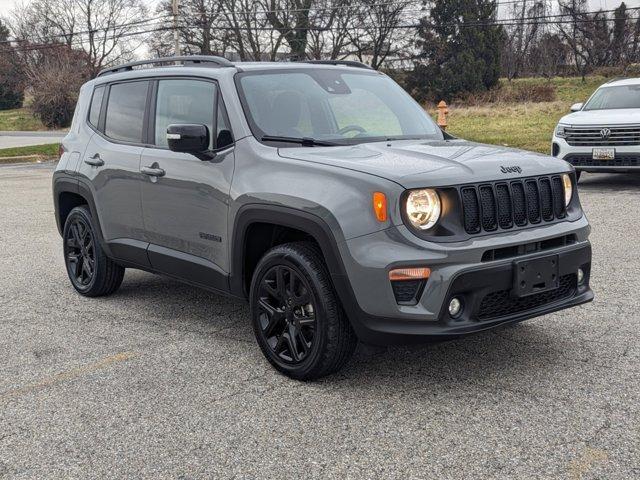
<point>536,20</point>
<point>88,32</point>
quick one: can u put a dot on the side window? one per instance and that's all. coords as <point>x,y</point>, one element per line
<point>224,137</point>
<point>183,101</point>
<point>96,105</point>
<point>125,111</point>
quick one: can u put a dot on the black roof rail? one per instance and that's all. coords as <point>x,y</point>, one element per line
<point>346,63</point>
<point>196,59</point>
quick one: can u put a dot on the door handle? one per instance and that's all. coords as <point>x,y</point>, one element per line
<point>95,161</point>
<point>152,172</point>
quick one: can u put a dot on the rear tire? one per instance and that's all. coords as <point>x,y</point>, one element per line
<point>91,272</point>
<point>297,318</point>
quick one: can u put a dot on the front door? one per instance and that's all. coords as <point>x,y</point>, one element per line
<point>185,199</point>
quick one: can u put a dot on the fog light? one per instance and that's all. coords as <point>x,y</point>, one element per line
<point>455,307</point>
<point>580,276</point>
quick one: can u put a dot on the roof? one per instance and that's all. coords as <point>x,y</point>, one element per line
<point>220,62</point>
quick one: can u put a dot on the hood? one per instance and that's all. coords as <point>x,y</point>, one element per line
<point>620,116</point>
<point>420,163</point>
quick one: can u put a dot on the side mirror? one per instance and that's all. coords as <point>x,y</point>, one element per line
<point>576,107</point>
<point>188,138</point>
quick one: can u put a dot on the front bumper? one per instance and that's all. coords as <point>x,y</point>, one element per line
<point>627,157</point>
<point>461,271</point>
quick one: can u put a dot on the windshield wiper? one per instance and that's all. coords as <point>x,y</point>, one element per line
<point>305,142</point>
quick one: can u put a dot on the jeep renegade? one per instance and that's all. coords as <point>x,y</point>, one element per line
<point>323,194</point>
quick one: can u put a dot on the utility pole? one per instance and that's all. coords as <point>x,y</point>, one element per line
<point>176,33</point>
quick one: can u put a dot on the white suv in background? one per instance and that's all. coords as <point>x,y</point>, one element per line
<point>603,134</point>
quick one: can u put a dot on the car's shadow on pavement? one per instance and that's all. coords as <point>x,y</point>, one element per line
<point>521,350</point>
<point>609,181</point>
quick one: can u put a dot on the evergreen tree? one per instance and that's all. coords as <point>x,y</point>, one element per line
<point>11,84</point>
<point>460,48</point>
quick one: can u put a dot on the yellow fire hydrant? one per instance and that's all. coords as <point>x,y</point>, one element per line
<point>443,111</point>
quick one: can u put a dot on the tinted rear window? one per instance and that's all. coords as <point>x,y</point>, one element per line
<point>96,103</point>
<point>125,111</point>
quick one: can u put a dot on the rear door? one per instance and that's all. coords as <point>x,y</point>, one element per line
<point>185,208</point>
<point>111,164</point>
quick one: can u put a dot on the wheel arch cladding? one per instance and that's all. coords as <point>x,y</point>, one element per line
<point>259,227</point>
<point>70,193</point>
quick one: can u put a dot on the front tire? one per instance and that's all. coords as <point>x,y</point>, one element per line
<point>91,272</point>
<point>297,318</point>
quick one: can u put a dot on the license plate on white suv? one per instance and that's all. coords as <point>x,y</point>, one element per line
<point>604,153</point>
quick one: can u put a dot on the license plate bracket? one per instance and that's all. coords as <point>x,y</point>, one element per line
<point>604,153</point>
<point>536,275</point>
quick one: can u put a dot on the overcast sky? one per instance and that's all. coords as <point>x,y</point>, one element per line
<point>7,5</point>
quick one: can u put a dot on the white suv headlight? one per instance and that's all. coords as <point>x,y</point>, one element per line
<point>560,131</point>
<point>423,208</point>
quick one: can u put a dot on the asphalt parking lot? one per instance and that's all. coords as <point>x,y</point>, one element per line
<point>165,381</point>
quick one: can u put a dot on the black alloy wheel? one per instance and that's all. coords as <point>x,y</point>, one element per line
<point>297,317</point>
<point>287,313</point>
<point>80,252</point>
<point>91,272</point>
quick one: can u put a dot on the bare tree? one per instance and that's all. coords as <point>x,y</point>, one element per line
<point>291,19</point>
<point>522,35</point>
<point>101,28</point>
<point>330,38</point>
<point>377,35</point>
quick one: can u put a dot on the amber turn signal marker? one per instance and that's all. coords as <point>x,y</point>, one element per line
<point>420,273</point>
<point>380,206</point>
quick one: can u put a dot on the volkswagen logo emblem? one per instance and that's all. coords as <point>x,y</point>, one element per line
<point>605,133</point>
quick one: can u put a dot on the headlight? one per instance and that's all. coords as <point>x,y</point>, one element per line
<point>560,131</point>
<point>568,189</point>
<point>423,208</point>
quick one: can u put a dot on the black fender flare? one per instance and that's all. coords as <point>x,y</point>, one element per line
<point>73,185</point>
<point>307,222</point>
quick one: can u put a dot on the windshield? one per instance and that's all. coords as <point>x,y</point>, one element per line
<point>626,96</point>
<point>331,105</point>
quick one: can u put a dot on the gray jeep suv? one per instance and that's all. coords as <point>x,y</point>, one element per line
<point>323,194</point>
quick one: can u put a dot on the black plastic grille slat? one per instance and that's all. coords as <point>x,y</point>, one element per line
<point>557,188</point>
<point>546,200</point>
<point>519,204</point>
<point>501,303</point>
<point>503,200</point>
<point>471,210</point>
<point>533,201</point>
<point>488,205</point>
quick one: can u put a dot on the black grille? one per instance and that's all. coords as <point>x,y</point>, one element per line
<point>407,291</point>
<point>501,303</point>
<point>505,215</point>
<point>533,201</point>
<point>546,199</point>
<point>489,206</point>
<point>471,210</point>
<point>586,160</point>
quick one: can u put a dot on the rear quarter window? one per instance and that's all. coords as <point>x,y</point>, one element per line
<point>96,105</point>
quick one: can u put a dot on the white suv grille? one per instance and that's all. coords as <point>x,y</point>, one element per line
<point>603,136</point>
